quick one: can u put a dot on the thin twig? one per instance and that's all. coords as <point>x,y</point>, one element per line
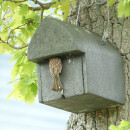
<point>7,42</point>
<point>16,1</point>
<point>37,2</point>
<point>41,8</point>
<point>19,27</point>
<point>14,47</point>
<point>18,48</point>
<point>44,6</point>
<point>2,41</point>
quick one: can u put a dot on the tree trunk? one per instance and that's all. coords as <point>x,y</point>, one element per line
<point>94,19</point>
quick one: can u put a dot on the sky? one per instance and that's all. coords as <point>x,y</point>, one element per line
<point>17,115</point>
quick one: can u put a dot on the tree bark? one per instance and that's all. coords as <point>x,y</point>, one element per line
<point>94,19</point>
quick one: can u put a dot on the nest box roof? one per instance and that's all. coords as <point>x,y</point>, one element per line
<point>56,38</point>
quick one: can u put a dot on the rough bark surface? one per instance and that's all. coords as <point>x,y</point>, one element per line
<point>94,19</point>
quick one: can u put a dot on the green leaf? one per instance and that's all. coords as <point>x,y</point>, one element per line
<point>0,15</point>
<point>26,81</point>
<point>65,7</point>
<point>24,90</point>
<point>111,2</point>
<point>20,40</point>
<point>27,68</point>
<point>25,32</point>
<point>4,5</point>
<point>2,50</point>
<point>123,8</point>
<point>29,97</point>
<point>16,94</point>
<point>23,9</point>
<point>10,95</point>
<point>112,127</point>
<point>4,34</point>
<point>125,125</point>
<point>15,71</point>
<point>34,89</point>
<point>56,5</point>
<point>12,6</point>
<point>47,11</point>
<point>17,19</point>
<point>19,57</point>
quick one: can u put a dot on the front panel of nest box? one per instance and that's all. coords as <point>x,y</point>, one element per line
<point>71,78</point>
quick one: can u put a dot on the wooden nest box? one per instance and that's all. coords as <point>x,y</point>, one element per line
<point>92,73</point>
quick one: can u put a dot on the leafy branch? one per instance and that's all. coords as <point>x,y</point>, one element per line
<point>38,2</point>
<point>19,20</point>
<point>42,8</point>
<point>9,36</point>
<point>42,5</point>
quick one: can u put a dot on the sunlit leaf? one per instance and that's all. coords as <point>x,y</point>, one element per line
<point>111,2</point>
<point>34,89</point>
<point>47,11</point>
<point>11,94</point>
<point>124,125</point>
<point>12,6</point>
<point>112,127</point>
<point>24,9</point>
<point>29,97</point>
<point>65,7</point>
<point>4,48</point>
<point>28,68</point>
<point>4,5</point>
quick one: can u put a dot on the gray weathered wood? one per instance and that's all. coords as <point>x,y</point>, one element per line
<point>94,77</point>
<point>71,79</point>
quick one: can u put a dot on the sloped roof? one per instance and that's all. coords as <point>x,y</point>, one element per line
<point>56,38</point>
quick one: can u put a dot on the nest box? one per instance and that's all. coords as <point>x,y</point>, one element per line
<point>92,73</point>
